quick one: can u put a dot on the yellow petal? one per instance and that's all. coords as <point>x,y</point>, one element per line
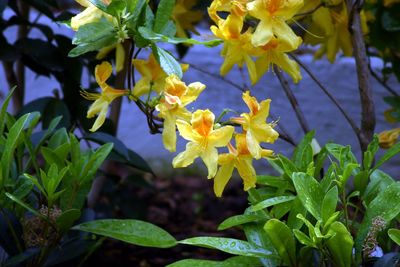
<point>289,66</point>
<point>203,122</point>
<point>103,72</point>
<point>210,158</point>
<point>185,130</point>
<point>263,33</point>
<point>186,157</point>
<point>141,87</point>
<point>264,133</point>
<point>100,118</point>
<point>263,112</point>
<point>169,133</point>
<point>89,15</point>
<point>247,172</point>
<point>253,145</point>
<point>284,33</point>
<point>104,52</point>
<point>388,138</point>
<point>221,137</point>
<point>221,179</point>
<point>119,57</point>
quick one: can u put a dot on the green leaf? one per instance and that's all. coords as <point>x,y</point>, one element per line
<point>103,138</point>
<point>93,37</point>
<point>283,240</point>
<point>385,206</point>
<point>369,155</point>
<point>237,261</point>
<point>157,37</point>
<point>379,181</point>
<point>3,111</point>
<point>329,203</point>
<point>116,7</point>
<point>163,14</point>
<point>67,219</point>
<point>303,238</point>
<point>287,165</point>
<point>228,245</point>
<point>130,231</point>
<point>99,4</point>
<point>95,161</point>
<point>13,138</point>
<point>239,220</point>
<point>303,153</point>
<point>342,153</point>
<point>394,234</point>
<point>390,153</point>
<point>271,202</point>
<point>278,182</point>
<point>167,62</point>
<point>309,192</point>
<point>340,244</point>
<point>26,206</point>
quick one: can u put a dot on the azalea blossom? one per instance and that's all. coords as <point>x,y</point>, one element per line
<point>152,76</point>
<point>241,159</point>
<point>275,53</point>
<point>203,140</point>
<point>273,15</point>
<point>89,15</point>
<point>255,125</point>
<point>103,100</point>
<point>388,138</point>
<point>176,96</point>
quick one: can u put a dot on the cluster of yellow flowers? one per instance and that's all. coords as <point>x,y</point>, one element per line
<point>199,127</point>
<point>268,43</point>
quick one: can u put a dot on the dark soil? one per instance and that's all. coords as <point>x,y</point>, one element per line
<point>184,206</point>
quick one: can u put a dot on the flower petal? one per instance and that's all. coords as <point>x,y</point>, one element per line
<point>101,118</point>
<point>224,174</point>
<point>253,145</point>
<point>103,72</point>
<point>185,130</point>
<point>169,133</point>
<point>263,33</point>
<point>186,157</point>
<point>221,137</point>
<point>210,158</point>
<point>247,172</point>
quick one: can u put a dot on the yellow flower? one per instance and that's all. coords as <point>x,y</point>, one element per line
<point>103,100</point>
<point>185,17</point>
<point>237,46</point>
<point>224,6</point>
<point>332,24</point>
<point>255,125</point>
<point>204,140</point>
<point>240,159</point>
<point>89,15</point>
<point>153,76</point>
<point>388,138</point>
<point>273,15</point>
<point>274,53</point>
<point>172,106</point>
<point>119,55</point>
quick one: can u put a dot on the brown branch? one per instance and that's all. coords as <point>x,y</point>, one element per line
<point>293,101</point>
<point>368,119</point>
<point>330,96</point>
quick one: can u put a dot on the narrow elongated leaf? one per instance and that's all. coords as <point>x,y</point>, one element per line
<point>3,111</point>
<point>271,202</point>
<point>329,203</point>
<point>394,234</point>
<point>300,154</point>
<point>10,145</point>
<point>237,261</point>
<point>163,14</point>
<point>157,37</point>
<point>385,206</point>
<point>130,231</point>
<point>340,244</point>
<point>283,240</point>
<point>239,220</point>
<point>310,193</point>
<point>390,153</point>
<point>167,62</point>
<point>229,245</point>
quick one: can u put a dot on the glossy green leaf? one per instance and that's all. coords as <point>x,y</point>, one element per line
<point>130,231</point>
<point>67,218</point>
<point>340,245</point>
<point>271,202</point>
<point>329,203</point>
<point>239,220</point>
<point>287,165</point>
<point>394,234</point>
<point>26,206</point>
<point>283,240</point>
<point>301,154</point>
<point>167,62</point>
<point>163,14</point>
<point>228,245</point>
<point>103,138</point>
<point>369,155</point>
<point>310,193</point>
<point>385,206</point>
<point>157,37</point>
<point>303,238</point>
<point>390,153</point>
<point>379,181</point>
<point>3,111</point>
<point>237,261</point>
<point>12,140</point>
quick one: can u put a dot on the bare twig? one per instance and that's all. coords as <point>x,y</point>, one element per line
<point>368,119</point>
<point>381,81</point>
<point>293,101</point>
<point>330,96</point>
